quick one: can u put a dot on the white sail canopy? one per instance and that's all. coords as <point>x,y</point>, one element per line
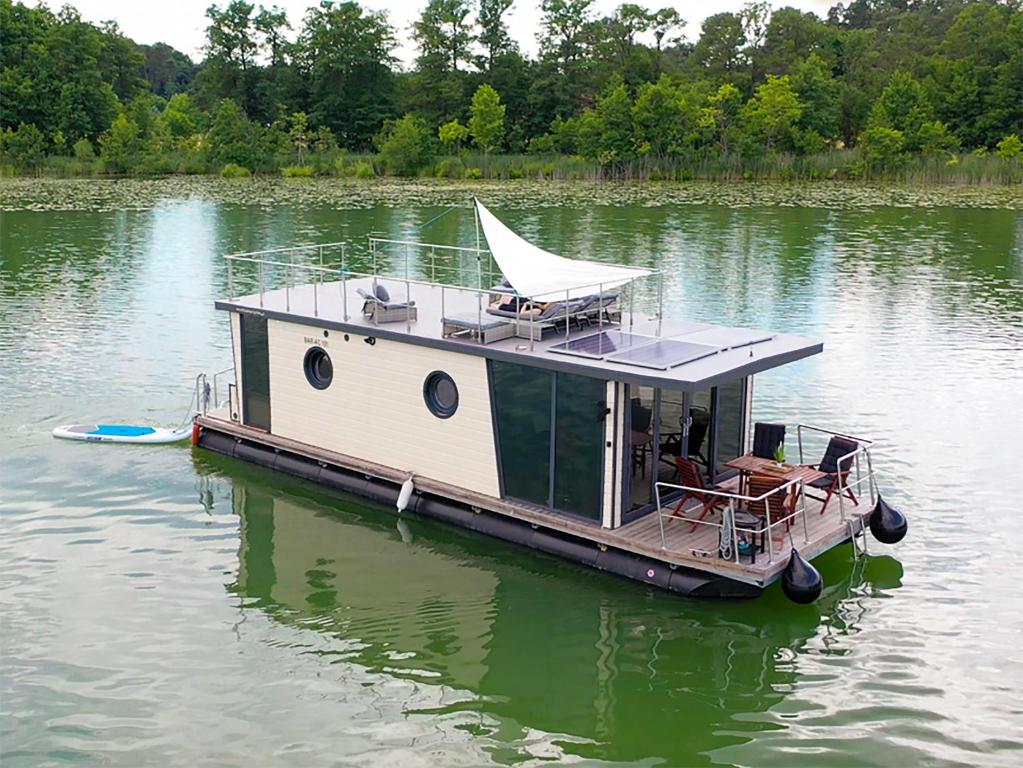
<point>539,274</point>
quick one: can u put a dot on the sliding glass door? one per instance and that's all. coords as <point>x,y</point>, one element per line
<point>550,437</point>
<point>255,367</point>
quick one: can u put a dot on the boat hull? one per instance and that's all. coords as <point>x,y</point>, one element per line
<point>650,571</point>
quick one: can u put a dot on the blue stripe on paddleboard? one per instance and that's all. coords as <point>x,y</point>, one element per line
<point>121,430</point>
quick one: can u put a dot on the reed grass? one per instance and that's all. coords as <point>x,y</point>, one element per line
<point>837,165</point>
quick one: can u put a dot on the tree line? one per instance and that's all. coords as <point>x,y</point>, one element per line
<point>877,84</point>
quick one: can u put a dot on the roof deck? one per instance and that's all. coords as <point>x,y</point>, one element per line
<point>617,336</point>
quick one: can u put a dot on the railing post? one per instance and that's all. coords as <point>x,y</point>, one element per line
<point>660,516</point>
<point>408,309</point>
<point>261,283</point>
<point>568,318</point>
<point>802,500</point>
<point>288,271</point>
<point>770,547</point>
<point>343,285</point>
<point>660,301</point>
<point>230,278</point>
<point>735,533</point>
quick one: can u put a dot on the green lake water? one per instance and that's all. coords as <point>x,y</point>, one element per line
<point>164,606</point>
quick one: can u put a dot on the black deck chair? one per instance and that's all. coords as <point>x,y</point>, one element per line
<point>836,476</point>
<point>671,446</point>
<point>766,439</point>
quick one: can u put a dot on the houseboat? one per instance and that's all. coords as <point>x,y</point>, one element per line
<point>543,400</point>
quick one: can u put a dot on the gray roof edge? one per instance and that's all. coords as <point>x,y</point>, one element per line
<point>561,363</point>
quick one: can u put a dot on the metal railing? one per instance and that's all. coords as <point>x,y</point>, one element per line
<point>851,460</point>
<point>310,260</point>
<point>225,372</point>
<point>284,259</point>
<point>408,248</point>
<point>735,501</point>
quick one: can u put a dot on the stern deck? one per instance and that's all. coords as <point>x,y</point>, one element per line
<point>681,546</point>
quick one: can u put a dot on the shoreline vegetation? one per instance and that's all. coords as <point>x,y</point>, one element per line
<point>344,193</point>
<point>929,92</point>
<point>835,165</point>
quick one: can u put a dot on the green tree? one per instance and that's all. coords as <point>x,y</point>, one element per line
<point>718,53</point>
<point>558,89</point>
<point>444,37</point>
<point>903,106</point>
<point>662,24</point>
<point>180,118</point>
<point>605,132</point>
<point>487,122</point>
<point>231,48</point>
<point>167,70</point>
<point>493,35</point>
<point>659,119</point>
<point>345,54</point>
<point>24,147</point>
<point>231,138</point>
<point>772,115</point>
<point>719,119</point>
<point>298,133</point>
<point>884,148</point>
<point>121,146</point>
<point>452,135</point>
<point>405,146</point>
<point>820,95</point>
<point>1010,147</point>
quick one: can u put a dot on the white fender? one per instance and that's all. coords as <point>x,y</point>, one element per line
<point>405,493</point>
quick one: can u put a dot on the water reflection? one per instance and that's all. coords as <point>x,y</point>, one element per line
<point>542,645</point>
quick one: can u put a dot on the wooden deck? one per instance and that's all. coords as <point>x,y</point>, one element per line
<point>682,546</point>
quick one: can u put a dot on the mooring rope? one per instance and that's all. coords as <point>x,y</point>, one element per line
<point>439,216</point>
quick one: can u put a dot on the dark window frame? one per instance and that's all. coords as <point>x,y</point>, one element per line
<point>310,365</point>
<point>430,396</point>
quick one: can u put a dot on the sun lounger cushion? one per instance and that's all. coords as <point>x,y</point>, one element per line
<point>473,322</point>
<point>382,303</point>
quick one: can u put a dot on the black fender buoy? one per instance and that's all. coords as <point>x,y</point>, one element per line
<point>800,581</point>
<point>888,525</point>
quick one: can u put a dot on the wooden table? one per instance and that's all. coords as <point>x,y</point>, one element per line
<point>755,465</point>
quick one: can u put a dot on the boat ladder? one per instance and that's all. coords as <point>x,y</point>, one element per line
<point>858,530</point>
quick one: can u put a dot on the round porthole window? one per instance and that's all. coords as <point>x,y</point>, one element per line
<point>319,371</point>
<point>440,394</point>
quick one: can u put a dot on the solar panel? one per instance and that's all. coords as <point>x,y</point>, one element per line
<point>598,345</point>
<point>664,354</point>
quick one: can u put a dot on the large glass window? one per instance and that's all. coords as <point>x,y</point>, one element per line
<point>255,371</point>
<point>729,411</point>
<point>579,444</point>
<point>550,437</point>
<point>522,410</point>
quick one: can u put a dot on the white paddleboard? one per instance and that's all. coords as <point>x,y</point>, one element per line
<point>122,433</point>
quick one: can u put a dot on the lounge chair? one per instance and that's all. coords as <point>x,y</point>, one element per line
<point>377,307</point>
<point>767,438</point>
<point>556,312</point>
<point>601,305</point>
<point>482,329</point>
<point>837,476</point>
<point>689,476</point>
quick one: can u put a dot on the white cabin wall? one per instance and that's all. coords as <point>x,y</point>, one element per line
<point>374,408</point>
